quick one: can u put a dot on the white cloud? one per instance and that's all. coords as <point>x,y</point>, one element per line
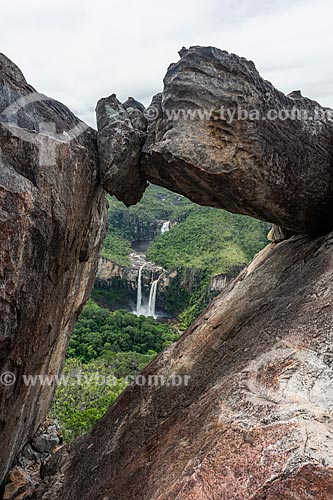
<point>89,49</point>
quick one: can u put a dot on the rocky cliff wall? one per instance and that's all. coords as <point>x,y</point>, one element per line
<point>174,287</point>
<point>52,222</point>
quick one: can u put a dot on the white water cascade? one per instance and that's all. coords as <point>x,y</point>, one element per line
<point>165,227</point>
<point>152,299</point>
<point>139,307</point>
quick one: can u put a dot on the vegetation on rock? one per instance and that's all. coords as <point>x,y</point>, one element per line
<point>116,247</point>
<point>209,239</point>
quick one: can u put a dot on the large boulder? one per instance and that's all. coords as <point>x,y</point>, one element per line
<point>52,215</point>
<point>121,134</point>
<point>254,418</point>
<point>222,136</point>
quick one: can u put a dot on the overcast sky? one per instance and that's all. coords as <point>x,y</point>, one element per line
<point>80,50</point>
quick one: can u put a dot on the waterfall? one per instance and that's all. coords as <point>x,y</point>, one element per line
<point>139,308</point>
<point>152,299</point>
<point>165,227</point>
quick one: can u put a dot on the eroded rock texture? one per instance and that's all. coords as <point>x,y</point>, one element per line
<point>224,137</point>
<point>121,134</point>
<point>52,213</point>
<point>201,144</point>
<point>255,420</point>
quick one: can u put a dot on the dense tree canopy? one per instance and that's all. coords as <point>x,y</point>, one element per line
<point>209,239</point>
<point>105,348</point>
<point>98,330</point>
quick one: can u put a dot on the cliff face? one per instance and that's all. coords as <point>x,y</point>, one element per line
<point>255,419</point>
<point>52,215</point>
<point>123,282</point>
<point>114,275</point>
<point>174,288</point>
<point>137,229</point>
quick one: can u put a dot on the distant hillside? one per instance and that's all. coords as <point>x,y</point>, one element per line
<point>209,239</point>
<point>141,221</point>
<point>200,238</point>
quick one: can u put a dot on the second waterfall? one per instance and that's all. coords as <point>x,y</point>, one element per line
<point>152,299</point>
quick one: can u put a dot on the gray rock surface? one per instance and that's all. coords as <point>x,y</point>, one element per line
<point>121,133</point>
<point>52,222</point>
<point>24,477</point>
<point>278,170</point>
<point>7,66</point>
<point>40,448</point>
<point>256,417</point>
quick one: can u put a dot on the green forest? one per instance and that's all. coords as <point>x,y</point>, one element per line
<point>106,347</point>
<point>208,239</point>
<point>203,239</point>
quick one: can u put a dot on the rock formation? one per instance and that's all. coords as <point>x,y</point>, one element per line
<point>222,136</point>
<point>278,170</point>
<point>52,214</point>
<point>121,133</point>
<point>252,418</point>
<point>24,476</point>
<point>174,287</point>
<point>254,421</point>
